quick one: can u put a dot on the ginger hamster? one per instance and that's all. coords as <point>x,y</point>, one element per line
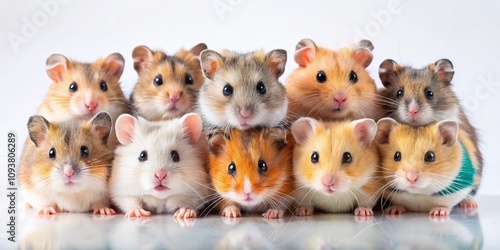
<point>242,90</point>
<point>332,85</point>
<point>161,167</point>
<point>168,85</point>
<point>335,166</point>
<point>426,169</point>
<point>65,165</point>
<point>251,170</point>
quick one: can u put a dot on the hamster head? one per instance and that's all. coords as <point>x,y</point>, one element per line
<point>84,89</point>
<point>161,155</point>
<point>167,85</point>
<point>243,90</point>
<point>419,96</point>
<point>334,157</point>
<point>252,166</point>
<point>332,84</point>
<point>420,160</point>
<point>70,156</point>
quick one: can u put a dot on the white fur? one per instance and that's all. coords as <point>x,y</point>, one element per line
<point>424,202</point>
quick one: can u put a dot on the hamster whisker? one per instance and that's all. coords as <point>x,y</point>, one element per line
<point>194,190</point>
<point>215,202</point>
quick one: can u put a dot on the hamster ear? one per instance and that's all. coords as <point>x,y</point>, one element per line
<point>305,51</point>
<point>276,61</point>
<point>388,71</point>
<point>101,124</point>
<point>192,127</point>
<point>114,65</point>
<point>448,131</point>
<point>363,52</point>
<point>142,56</point>
<point>303,128</point>
<point>197,49</point>
<point>365,130</point>
<point>279,136</point>
<point>210,61</point>
<point>38,128</point>
<point>216,139</point>
<point>124,127</point>
<point>384,129</point>
<point>444,70</point>
<point>57,66</point>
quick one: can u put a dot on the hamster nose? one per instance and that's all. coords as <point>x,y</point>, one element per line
<point>411,177</point>
<point>174,96</point>
<point>69,173</point>
<point>340,98</point>
<point>412,112</point>
<point>91,105</point>
<point>160,175</point>
<point>245,112</point>
<point>328,180</point>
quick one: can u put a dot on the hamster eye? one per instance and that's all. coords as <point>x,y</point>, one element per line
<point>400,93</point>
<point>158,81</point>
<point>73,87</point>
<point>84,151</point>
<point>429,157</point>
<point>262,167</point>
<point>143,156</point>
<point>188,79</point>
<point>175,156</point>
<point>397,156</point>
<point>261,88</point>
<point>346,157</point>
<point>315,157</point>
<point>52,153</point>
<point>231,169</point>
<point>353,77</point>
<point>104,86</point>
<point>429,94</point>
<point>321,76</point>
<point>227,90</point>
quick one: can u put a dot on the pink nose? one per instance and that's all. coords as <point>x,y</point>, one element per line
<point>174,96</point>
<point>328,180</point>
<point>340,98</point>
<point>160,175</point>
<point>245,113</point>
<point>411,177</point>
<point>91,105</point>
<point>69,173</point>
<point>413,112</point>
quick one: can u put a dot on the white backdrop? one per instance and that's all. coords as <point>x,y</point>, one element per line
<point>410,32</point>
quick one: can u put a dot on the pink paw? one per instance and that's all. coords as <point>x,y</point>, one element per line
<point>273,214</point>
<point>46,211</point>
<point>304,211</point>
<point>104,211</point>
<point>231,211</point>
<point>138,212</point>
<point>468,202</point>
<point>396,209</point>
<point>439,211</point>
<point>361,211</point>
<point>185,213</point>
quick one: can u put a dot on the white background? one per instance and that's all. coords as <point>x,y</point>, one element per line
<point>410,32</point>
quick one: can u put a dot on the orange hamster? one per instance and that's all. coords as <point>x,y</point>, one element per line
<point>332,85</point>
<point>168,85</point>
<point>335,166</point>
<point>426,169</point>
<point>252,171</point>
<point>65,165</point>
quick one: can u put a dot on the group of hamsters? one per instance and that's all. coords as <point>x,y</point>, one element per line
<point>207,131</point>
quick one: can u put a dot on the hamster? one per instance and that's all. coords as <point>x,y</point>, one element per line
<point>251,170</point>
<point>65,165</point>
<point>426,169</point>
<point>332,85</point>
<point>168,85</point>
<point>242,90</point>
<point>422,96</point>
<point>335,165</point>
<point>81,90</point>
<point>160,167</point>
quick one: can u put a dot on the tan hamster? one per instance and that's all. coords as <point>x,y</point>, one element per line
<point>426,169</point>
<point>332,85</point>
<point>65,165</point>
<point>167,85</point>
<point>252,171</point>
<point>335,166</point>
<point>242,90</point>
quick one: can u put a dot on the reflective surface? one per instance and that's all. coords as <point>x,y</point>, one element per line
<point>464,229</point>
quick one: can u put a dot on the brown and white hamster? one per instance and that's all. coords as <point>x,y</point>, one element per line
<point>332,85</point>
<point>242,90</point>
<point>335,166</point>
<point>426,169</point>
<point>167,85</point>
<point>65,165</point>
<point>161,167</point>
<point>251,170</point>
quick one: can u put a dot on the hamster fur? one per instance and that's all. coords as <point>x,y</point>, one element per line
<point>425,168</point>
<point>335,166</point>
<point>242,90</point>
<point>160,167</point>
<point>65,165</point>
<point>168,85</point>
<point>332,85</point>
<point>252,171</point>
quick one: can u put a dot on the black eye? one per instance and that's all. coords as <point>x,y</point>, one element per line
<point>227,90</point>
<point>261,88</point>
<point>175,156</point>
<point>429,94</point>
<point>158,81</point>
<point>397,156</point>
<point>429,157</point>
<point>262,167</point>
<point>400,93</point>
<point>353,77</point>
<point>52,153</point>
<point>188,79</point>
<point>346,157</point>
<point>104,86</point>
<point>321,76</point>
<point>143,156</point>
<point>73,87</point>
<point>84,151</point>
<point>231,169</point>
<point>315,157</point>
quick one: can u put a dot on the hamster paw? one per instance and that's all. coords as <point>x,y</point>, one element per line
<point>468,202</point>
<point>104,211</point>
<point>231,211</point>
<point>138,212</point>
<point>396,209</point>
<point>185,213</point>
<point>273,214</point>
<point>439,211</point>
<point>362,211</point>
<point>46,211</point>
<point>304,211</point>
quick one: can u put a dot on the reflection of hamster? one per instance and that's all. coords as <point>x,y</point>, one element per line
<point>429,168</point>
<point>252,171</point>
<point>167,85</point>
<point>335,175</point>
<point>160,167</point>
<point>243,90</point>
<point>332,84</point>
<point>65,165</point>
